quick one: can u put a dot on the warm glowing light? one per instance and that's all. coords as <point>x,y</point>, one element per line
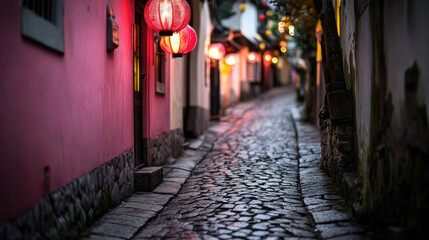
<point>180,43</point>
<point>216,51</point>
<point>276,53</point>
<point>242,6</point>
<point>283,49</point>
<point>262,46</point>
<point>283,43</point>
<point>251,57</point>
<point>267,57</point>
<point>291,30</point>
<point>284,18</point>
<point>275,60</point>
<point>265,4</point>
<point>167,16</point>
<point>338,16</point>
<point>269,13</point>
<point>281,27</point>
<point>231,59</point>
<point>268,32</point>
<point>262,17</point>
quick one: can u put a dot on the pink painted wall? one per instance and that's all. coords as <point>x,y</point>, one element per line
<point>156,106</point>
<point>71,112</point>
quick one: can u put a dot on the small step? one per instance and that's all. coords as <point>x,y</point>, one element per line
<point>146,179</point>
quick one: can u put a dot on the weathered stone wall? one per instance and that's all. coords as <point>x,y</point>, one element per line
<point>384,47</point>
<point>66,212</point>
<point>159,149</point>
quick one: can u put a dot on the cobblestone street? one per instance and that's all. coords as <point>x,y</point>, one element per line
<point>260,179</point>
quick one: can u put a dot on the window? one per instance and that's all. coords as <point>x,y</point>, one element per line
<point>42,22</point>
<point>159,61</point>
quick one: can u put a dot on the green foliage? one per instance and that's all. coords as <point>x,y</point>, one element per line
<point>225,8</point>
<point>302,15</point>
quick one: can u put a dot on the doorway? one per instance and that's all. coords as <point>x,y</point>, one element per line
<point>138,78</point>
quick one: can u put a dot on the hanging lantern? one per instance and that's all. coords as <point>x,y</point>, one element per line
<point>180,43</point>
<point>275,60</point>
<point>292,30</point>
<point>251,57</point>
<point>262,46</point>
<point>231,59</point>
<point>216,51</point>
<point>283,43</point>
<point>262,17</point>
<point>268,33</point>
<point>269,13</point>
<point>267,57</point>
<point>265,4</point>
<point>167,16</point>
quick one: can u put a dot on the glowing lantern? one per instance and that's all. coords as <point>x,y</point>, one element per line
<point>180,43</point>
<point>262,17</point>
<point>283,49</point>
<point>231,59</point>
<point>262,46</point>
<point>283,43</point>
<point>275,60</point>
<point>216,51</point>
<point>291,30</point>
<point>167,16</point>
<point>281,27</point>
<point>269,13</point>
<point>268,32</point>
<point>267,57</point>
<point>251,57</point>
<point>265,4</point>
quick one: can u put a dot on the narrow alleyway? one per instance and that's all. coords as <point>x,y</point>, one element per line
<point>261,179</point>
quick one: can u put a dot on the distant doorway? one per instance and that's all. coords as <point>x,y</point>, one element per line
<point>138,78</point>
<point>214,90</point>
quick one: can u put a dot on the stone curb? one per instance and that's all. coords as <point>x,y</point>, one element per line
<point>330,216</point>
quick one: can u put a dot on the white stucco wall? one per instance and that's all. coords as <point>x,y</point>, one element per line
<point>199,72</point>
<point>177,91</point>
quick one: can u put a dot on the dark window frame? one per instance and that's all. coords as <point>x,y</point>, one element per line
<point>48,32</point>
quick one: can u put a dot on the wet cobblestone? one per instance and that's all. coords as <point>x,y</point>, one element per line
<point>261,180</point>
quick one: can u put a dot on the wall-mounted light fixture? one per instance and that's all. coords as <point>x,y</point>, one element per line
<point>180,43</point>
<point>167,16</point>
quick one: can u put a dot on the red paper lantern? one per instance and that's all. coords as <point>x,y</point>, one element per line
<point>268,57</point>
<point>265,4</point>
<point>231,59</point>
<point>180,43</point>
<point>167,16</point>
<point>216,51</point>
<point>251,57</point>
<point>262,17</point>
